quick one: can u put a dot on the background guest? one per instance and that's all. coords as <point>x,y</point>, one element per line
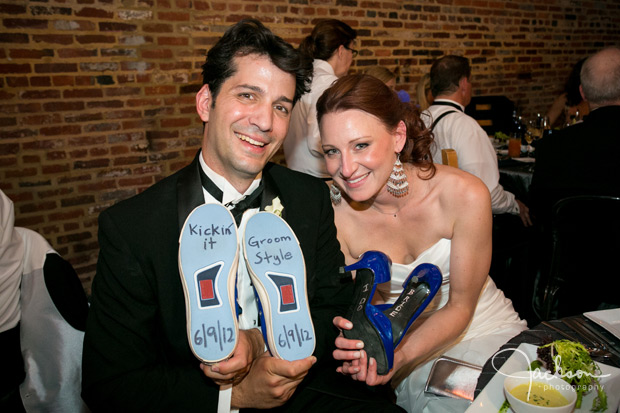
<point>581,160</point>
<point>596,138</point>
<point>453,129</point>
<point>331,47</point>
<point>383,74</point>
<point>570,105</point>
<point>424,93</point>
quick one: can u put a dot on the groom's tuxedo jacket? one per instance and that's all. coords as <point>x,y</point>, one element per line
<point>136,353</point>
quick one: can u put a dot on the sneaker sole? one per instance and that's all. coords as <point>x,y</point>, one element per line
<point>208,254</point>
<point>278,271</point>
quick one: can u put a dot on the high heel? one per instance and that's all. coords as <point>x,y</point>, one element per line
<point>370,324</point>
<point>419,289</point>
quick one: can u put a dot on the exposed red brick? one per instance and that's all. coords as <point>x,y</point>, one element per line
<point>67,214</point>
<point>63,39</point>
<point>31,24</point>
<point>63,106</point>
<point>95,13</point>
<point>34,159</point>
<point>30,53</point>
<point>55,169</point>
<point>55,67</point>
<point>40,206</point>
<point>41,81</point>
<point>15,68</point>
<point>173,16</point>
<point>95,38</point>
<point>77,53</point>
<point>139,181</point>
<point>60,130</point>
<point>160,90</point>
<point>116,27</point>
<point>18,38</point>
<point>82,93</point>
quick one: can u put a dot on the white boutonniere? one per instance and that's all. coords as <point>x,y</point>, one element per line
<point>276,207</point>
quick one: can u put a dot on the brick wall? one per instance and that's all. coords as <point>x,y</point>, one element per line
<point>97,96</point>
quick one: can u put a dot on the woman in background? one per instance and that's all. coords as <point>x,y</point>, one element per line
<point>331,47</point>
<point>570,106</point>
<point>432,214</point>
<point>423,92</point>
<point>383,74</point>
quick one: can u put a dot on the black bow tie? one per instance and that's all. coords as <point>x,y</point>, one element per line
<point>249,202</point>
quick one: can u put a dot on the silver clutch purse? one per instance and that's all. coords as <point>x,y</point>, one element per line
<point>453,378</point>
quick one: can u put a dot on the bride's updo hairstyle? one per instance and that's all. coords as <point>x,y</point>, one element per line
<point>371,95</point>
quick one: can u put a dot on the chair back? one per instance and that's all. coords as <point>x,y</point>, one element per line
<point>583,268</point>
<point>54,308</point>
<point>493,113</point>
<point>449,157</point>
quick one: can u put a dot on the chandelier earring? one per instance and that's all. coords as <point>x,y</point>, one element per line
<point>334,194</point>
<point>397,185</point>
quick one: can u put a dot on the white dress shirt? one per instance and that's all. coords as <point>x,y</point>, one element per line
<point>473,148</point>
<point>245,292</point>
<point>302,146</point>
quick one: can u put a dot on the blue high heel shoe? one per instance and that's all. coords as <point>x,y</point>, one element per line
<point>370,324</point>
<point>419,289</point>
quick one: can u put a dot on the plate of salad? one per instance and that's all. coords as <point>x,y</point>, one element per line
<point>492,398</point>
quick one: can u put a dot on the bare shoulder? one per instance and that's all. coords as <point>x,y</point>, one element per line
<point>460,188</point>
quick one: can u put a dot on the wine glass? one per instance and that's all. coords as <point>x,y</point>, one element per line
<point>534,131</point>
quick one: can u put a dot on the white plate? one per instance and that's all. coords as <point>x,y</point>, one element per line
<point>608,319</point>
<point>502,151</point>
<point>525,159</point>
<point>492,396</point>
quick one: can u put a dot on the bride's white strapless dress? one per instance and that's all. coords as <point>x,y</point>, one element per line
<point>494,322</point>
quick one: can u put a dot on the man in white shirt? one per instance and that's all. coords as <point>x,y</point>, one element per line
<point>451,86</point>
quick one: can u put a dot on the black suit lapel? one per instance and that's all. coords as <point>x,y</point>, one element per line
<point>189,190</point>
<point>270,190</point>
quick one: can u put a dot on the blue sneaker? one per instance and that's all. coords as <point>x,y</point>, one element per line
<point>208,257</point>
<point>277,269</point>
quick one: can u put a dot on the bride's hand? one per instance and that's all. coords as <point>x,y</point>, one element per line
<point>363,369</point>
<point>370,375</point>
<point>355,360</point>
<point>349,351</point>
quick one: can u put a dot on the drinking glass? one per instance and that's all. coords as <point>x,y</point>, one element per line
<point>534,131</point>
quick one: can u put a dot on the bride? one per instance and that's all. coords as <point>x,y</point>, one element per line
<point>432,214</point>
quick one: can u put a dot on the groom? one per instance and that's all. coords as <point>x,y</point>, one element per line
<point>136,353</point>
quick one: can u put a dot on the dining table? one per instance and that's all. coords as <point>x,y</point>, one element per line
<point>515,175</point>
<point>604,346</point>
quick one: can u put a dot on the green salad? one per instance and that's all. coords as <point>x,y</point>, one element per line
<point>573,363</point>
<point>501,136</point>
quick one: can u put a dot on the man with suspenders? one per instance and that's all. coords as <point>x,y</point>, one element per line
<point>452,128</point>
